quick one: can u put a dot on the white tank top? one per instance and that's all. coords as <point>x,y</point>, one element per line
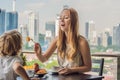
<point>66,63</point>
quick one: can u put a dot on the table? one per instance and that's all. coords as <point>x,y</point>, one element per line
<point>75,76</point>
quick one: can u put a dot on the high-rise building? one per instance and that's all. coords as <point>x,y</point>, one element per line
<point>50,30</point>
<point>109,40</point>
<point>33,25</point>
<point>2,21</point>
<point>11,20</point>
<point>57,25</point>
<point>99,39</point>
<point>91,33</point>
<point>42,39</point>
<point>116,35</point>
<point>23,29</point>
<point>86,30</point>
<point>104,39</point>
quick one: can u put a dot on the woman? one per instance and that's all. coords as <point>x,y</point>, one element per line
<point>10,62</point>
<point>73,49</point>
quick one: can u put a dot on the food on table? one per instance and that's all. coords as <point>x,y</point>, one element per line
<point>36,67</point>
<point>41,71</point>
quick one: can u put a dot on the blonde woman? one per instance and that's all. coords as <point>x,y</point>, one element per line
<point>10,62</point>
<point>73,49</point>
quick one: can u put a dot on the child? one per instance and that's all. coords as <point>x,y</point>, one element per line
<point>10,62</point>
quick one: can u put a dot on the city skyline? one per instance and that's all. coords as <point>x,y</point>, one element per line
<point>105,13</point>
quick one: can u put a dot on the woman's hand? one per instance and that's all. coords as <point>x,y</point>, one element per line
<point>38,52</point>
<point>65,71</point>
<point>37,49</point>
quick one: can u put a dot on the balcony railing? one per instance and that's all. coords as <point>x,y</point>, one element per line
<point>111,65</point>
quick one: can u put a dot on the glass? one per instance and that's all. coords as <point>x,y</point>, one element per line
<point>30,73</point>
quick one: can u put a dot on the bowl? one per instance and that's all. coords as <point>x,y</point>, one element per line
<point>40,75</point>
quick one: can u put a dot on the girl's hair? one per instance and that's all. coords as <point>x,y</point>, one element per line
<point>10,43</point>
<point>72,36</point>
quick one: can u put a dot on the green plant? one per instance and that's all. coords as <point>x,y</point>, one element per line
<point>24,59</point>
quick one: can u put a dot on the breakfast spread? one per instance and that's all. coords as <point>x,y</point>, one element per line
<point>37,70</point>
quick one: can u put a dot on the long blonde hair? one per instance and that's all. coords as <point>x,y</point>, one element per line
<point>72,36</point>
<point>10,43</point>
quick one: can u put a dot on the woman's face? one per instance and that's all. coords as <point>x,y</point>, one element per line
<point>64,20</point>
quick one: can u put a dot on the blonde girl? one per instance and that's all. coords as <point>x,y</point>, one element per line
<point>10,62</point>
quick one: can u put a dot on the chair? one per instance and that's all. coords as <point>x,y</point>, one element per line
<point>97,66</point>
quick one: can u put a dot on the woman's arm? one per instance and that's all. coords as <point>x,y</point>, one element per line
<point>45,56</point>
<point>17,67</point>
<point>85,53</point>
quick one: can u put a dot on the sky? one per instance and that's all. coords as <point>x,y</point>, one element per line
<point>105,13</point>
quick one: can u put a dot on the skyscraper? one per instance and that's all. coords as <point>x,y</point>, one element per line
<point>99,40</point>
<point>50,26</point>
<point>86,30</point>
<point>50,30</point>
<point>104,39</point>
<point>116,35</point>
<point>90,32</point>
<point>23,29</point>
<point>57,25</point>
<point>11,20</point>
<point>33,25</point>
<point>2,21</point>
